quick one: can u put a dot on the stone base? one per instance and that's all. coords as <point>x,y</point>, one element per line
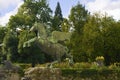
<point>9,76</point>
<point>42,73</point>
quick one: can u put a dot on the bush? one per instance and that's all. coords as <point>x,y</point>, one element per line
<point>114,66</point>
<point>83,65</point>
<point>94,66</point>
<point>62,65</point>
<point>24,65</point>
<point>92,74</point>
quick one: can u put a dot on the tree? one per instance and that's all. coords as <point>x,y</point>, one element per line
<point>30,12</point>
<point>78,17</point>
<point>58,12</point>
<point>111,32</point>
<point>101,38</point>
<point>65,26</point>
<point>9,49</point>
<point>58,18</point>
<point>44,12</point>
<point>92,40</point>
<point>3,31</point>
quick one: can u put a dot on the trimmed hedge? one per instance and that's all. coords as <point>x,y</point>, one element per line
<point>92,74</point>
<point>24,66</point>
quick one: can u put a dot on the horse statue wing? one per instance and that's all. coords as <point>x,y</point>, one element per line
<point>60,36</point>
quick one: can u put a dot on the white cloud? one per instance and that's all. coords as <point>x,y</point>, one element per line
<point>4,4</point>
<point>111,7</point>
<point>4,19</point>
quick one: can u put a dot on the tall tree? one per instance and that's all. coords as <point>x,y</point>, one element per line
<point>30,12</point>
<point>9,49</point>
<point>78,17</point>
<point>65,26</point>
<point>92,40</point>
<point>3,31</point>
<point>58,18</point>
<point>101,38</point>
<point>58,11</point>
<point>111,31</point>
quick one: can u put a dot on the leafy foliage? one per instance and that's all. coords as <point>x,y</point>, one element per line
<point>65,26</point>
<point>9,49</point>
<point>78,18</point>
<point>98,38</point>
<point>58,18</point>
<point>34,53</point>
<point>3,31</point>
<point>30,12</point>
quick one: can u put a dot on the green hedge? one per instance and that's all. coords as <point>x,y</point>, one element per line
<point>92,74</point>
<point>24,65</point>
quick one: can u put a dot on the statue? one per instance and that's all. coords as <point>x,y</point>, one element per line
<point>39,30</point>
<point>48,44</point>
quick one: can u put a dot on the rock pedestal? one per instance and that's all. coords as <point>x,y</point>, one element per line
<point>4,75</point>
<point>42,73</point>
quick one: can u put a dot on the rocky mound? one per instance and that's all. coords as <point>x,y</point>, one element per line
<point>42,73</point>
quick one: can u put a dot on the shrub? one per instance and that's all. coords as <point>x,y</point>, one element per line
<point>24,65</point>
<point>114,66</point>
<point>92,74</point>
<point>62,65</point>
<point>83,65</point>
<point>94,66</point>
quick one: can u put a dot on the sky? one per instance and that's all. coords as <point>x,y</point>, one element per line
<point>111,7</point>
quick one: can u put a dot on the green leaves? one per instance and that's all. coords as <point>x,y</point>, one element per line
<point>9,49</point>
<point>57,19</point>
<point>30,12</point>
<point>3,31</point>
<point>78,18</point>
<point>65,26</point>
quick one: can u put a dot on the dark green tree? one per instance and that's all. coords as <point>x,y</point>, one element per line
<point>30,12</point>
<point>92,40</point>
<point>65,26</point>
<point>3,31</point>
<point>78,17</point>
<point>9,48</point>
<point>101,38</point>
<point>58,18</point>
<point>111,31</point>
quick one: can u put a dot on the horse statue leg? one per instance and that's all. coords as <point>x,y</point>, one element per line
<point>70,59</point>
<point>28,43</point>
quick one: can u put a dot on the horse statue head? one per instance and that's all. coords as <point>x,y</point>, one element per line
<point>39,29</point>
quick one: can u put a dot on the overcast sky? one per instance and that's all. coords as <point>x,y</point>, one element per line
<point>112,7</point>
